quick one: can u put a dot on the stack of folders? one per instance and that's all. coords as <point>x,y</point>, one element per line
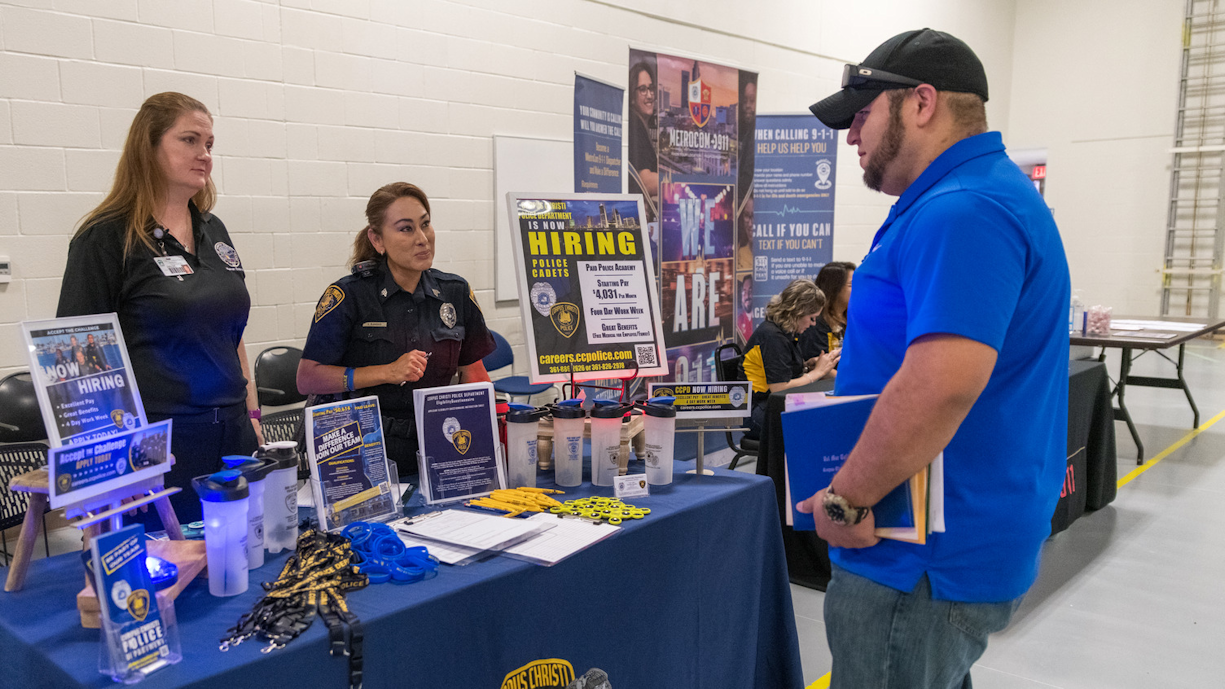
<point>819,432</point>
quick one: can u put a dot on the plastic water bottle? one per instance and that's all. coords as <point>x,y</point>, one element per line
<point>1076,314</point>
<point>568,423</point>
<point>521,425</point>
<point>660,428</point>
<point>281,496</point>
<point>255,470</point>
<point>224,497</point>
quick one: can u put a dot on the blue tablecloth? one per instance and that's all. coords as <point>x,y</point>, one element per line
<point>693,596</point>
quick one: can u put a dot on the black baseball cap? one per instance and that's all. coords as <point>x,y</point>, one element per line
<point>906,60</point>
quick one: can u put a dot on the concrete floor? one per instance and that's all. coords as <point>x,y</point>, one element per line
<point>1130,596</point>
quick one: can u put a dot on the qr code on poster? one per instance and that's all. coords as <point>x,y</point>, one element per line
<point>645,355</point>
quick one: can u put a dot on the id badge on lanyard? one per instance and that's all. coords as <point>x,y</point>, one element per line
<point>173,266</point>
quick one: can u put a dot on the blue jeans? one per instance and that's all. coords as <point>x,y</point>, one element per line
<point>882,638</point>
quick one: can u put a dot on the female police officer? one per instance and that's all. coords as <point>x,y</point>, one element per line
<point>153,253</point>
<point>395,324</point>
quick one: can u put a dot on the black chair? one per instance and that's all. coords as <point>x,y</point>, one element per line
<point>276,381</point>
<point>511,386</point>
<point>729,370</point>
<point>15,460</point>
<point>276,376</point>
<point>21,421</point>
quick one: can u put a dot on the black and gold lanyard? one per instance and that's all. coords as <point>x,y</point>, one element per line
<point>311,584</point>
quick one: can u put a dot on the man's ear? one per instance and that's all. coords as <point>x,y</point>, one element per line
<point>926,98</point>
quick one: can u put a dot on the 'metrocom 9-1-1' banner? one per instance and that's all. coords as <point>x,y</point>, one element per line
<point>586,287</point>
<point>691,128</point>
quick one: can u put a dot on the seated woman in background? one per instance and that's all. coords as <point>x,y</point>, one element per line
<point>395,324</point>
<point>153,253</point>
<point>834,281</point>
<point>772,360</point>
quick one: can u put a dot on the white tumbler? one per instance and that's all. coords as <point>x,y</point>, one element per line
<point>568,445</point>
<point>606,442</point>
<point>660,428</point>
<point>256,471</point>
<point>224,496</point>
<point>281,496</point>
<point>521,427</point>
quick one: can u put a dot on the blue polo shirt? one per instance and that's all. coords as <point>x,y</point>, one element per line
<point>971,249</point>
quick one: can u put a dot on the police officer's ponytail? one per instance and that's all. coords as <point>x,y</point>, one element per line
<point>376,208</point>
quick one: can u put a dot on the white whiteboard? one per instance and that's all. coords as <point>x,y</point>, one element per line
<point>523,165</point>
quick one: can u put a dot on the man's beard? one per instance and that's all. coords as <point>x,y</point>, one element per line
<point>889,148</point>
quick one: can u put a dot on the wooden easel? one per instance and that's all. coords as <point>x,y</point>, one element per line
<point>188,556</point>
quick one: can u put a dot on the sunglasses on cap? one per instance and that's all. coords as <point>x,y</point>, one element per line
<point>858,76</point>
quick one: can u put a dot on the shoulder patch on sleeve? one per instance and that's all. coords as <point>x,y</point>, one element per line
<point>331,298</point>
<point>472,296</point>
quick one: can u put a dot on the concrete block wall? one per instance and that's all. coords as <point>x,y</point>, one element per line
<point>319,102</point>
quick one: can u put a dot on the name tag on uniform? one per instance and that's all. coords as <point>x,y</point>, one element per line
<point>173,265</point>
<point>374,324</point>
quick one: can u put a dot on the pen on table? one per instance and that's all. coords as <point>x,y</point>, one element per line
<point>427,359</point>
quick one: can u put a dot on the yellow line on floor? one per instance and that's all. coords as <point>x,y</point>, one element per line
<point>1166,452</point>
<point>822,683</point>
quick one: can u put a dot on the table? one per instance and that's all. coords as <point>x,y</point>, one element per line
<point>1090,483</point>
<point>695,595</point>
<point>1149,339</point>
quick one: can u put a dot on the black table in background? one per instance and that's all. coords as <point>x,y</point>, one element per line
<point>1090,483</point>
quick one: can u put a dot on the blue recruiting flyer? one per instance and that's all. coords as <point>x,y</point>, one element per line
<point>458,431</point>
<point>86,470</point>
<point>134,632</point>
<point>349,474</point>
<point>83,378</point>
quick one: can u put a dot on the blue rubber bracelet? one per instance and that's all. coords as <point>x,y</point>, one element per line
<point>349,380</point>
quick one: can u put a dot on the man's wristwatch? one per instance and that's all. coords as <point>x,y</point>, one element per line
<point>840,511</point>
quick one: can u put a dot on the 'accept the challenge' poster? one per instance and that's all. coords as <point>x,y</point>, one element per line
<point>586,287</point>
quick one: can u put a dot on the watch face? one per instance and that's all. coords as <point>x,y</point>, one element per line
<point>839,510</point>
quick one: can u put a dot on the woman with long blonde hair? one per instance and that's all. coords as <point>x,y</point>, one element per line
<point>772,360</point>
<point>154,253</point>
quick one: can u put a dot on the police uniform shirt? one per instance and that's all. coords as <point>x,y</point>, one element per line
<point>371,321</point>
<point>182,332</point>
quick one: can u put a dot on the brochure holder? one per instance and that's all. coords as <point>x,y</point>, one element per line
<point>460,455</point>
<point>351,479</point>
<point>139,630</point>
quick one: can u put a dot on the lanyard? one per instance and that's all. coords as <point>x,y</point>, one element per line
<point>311,584</point>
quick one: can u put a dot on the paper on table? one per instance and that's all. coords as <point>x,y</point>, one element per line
<point>470,529</point>
<point>446,553</point>
<point>1129,324</point>
<point>566,537</point>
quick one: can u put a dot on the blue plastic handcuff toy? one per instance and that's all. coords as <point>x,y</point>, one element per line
<point>382,556</point>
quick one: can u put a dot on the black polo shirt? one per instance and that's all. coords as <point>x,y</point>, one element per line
<point>370,321</point>
<point>182,334</point>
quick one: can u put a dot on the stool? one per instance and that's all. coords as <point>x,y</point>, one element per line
<point>34,484</point>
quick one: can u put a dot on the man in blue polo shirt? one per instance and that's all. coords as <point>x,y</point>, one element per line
<point>958,321</point>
